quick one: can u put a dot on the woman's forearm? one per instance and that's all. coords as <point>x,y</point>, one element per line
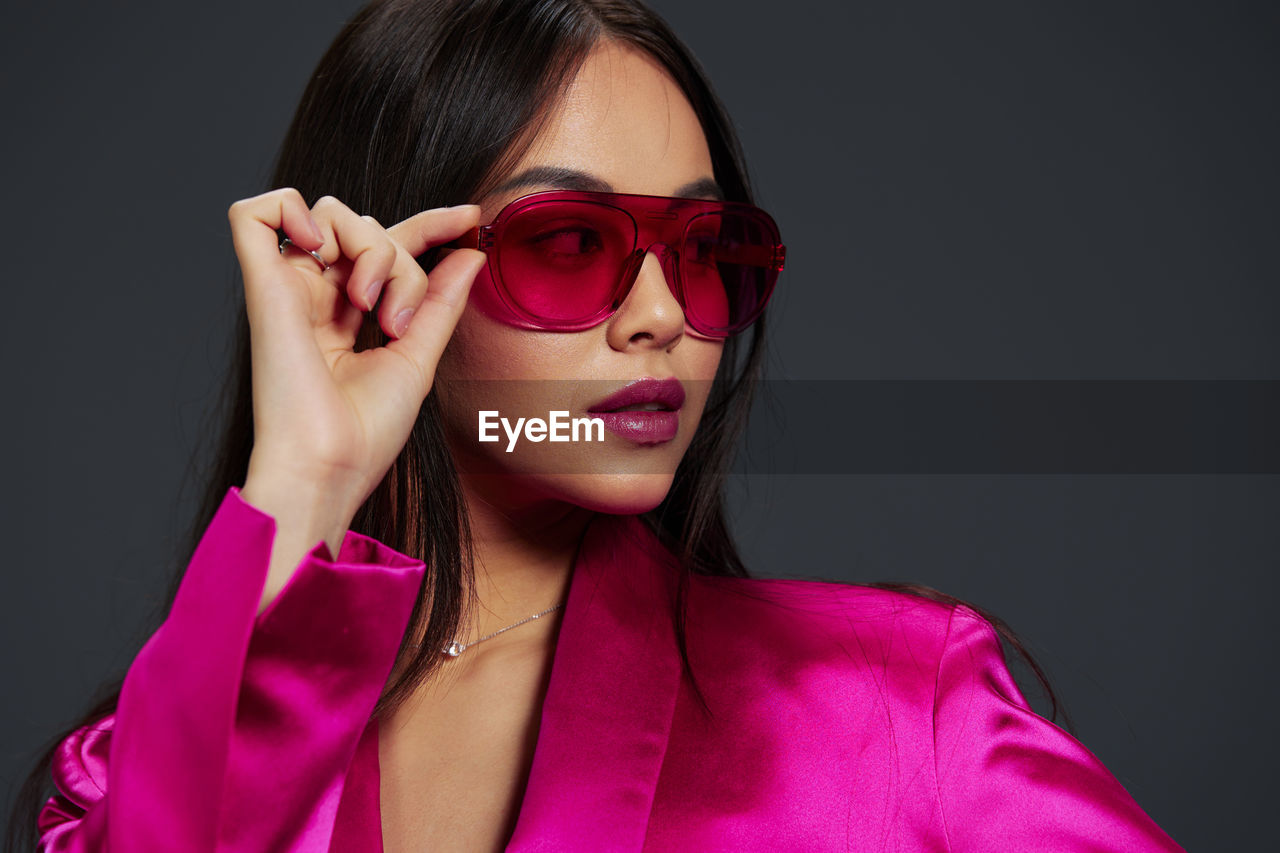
<point>304,515</point>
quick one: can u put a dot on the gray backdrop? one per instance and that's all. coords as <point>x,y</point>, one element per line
<point>1038,191</point>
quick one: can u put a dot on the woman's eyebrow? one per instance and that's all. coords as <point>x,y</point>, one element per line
<point>564,178</point>
<point>701,188</point>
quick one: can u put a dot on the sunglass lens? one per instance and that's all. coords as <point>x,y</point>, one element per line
<point>561,260</point>
<point>728,271</point>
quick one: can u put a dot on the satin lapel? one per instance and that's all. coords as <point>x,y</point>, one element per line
<point>607,713</point>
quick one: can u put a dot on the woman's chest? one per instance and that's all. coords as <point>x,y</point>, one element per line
<point>454,765</point>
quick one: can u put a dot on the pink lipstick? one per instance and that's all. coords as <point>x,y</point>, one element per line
<point>646,411</point>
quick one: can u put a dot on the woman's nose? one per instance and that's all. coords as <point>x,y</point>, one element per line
<point>650,314</point>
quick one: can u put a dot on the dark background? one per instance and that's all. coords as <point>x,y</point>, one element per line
<point>975,191</point>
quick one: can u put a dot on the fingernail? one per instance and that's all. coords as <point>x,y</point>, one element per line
<point>371,295</point>
<point>401,322</point>
<point>460,206</point>
<point>315,229</point>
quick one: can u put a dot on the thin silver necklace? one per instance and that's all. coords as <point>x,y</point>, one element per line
<point>456,648</point>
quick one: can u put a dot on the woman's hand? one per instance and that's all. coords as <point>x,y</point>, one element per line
<point>329,421</point>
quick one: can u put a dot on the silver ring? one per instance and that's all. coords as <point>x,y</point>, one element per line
<point>286,242</point>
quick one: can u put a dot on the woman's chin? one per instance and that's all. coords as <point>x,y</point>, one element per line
<point>614,493</point>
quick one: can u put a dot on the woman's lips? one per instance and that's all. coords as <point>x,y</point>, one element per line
<point>646,411</point>
<point>641,427</point>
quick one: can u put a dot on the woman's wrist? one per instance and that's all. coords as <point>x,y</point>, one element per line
<point>296,495</point>
<point>305,513</point>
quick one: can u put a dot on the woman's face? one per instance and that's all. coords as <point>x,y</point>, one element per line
<point>626,126</point>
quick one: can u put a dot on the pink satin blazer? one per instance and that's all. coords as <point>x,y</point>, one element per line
<point>845,718</point>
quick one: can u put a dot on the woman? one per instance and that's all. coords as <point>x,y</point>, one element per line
<point>629,685</point>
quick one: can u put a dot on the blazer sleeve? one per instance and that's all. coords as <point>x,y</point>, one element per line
<point>234,730</point>
<point>1008,779</point>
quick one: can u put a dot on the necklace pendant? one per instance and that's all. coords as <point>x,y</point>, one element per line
<point>453,649</point>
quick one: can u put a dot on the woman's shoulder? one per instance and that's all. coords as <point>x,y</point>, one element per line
<point>824,600</point>
<point>894,630</point>
<point>818,622</point>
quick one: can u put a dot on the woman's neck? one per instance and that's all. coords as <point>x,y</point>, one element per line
<point>523,561</point>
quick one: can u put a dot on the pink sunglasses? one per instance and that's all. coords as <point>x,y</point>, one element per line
<point>565,260</point>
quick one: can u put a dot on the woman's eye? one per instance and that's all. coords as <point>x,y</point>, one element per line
<point>568,241</point>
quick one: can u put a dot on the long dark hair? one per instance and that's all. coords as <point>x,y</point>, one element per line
<point>424,103</point>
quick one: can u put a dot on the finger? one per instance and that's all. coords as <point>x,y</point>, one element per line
<point>432,227</point>
<point>404,290</point>
<point>408,285</point>
<point>434,319</point>
<point>362,241</point>
<point>255,221</point>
